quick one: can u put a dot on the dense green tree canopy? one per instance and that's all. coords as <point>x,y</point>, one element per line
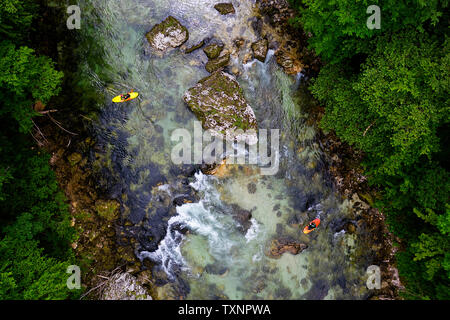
<point>393,108</point>
<point>339,27</point>
<point>35,231</point>
<point>24,80</point>
<point>16,17</point>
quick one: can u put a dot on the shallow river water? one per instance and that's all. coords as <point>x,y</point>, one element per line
<point>198,249</point>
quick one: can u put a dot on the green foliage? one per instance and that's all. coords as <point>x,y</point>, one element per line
<point>25,79</point>
<point>35,246</point>
<point>393,108</point>
<point>387,92</point>
<point>16,17</point>
<point>35,230</point>
<point>29,273</point>
<point>339,27</point>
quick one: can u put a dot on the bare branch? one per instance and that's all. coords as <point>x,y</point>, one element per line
<point>367,129</point>
<point>47,111</point>
<point>87,118</point>
<point>59,125</point>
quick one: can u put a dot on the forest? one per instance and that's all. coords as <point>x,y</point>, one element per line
<point>35,229</point>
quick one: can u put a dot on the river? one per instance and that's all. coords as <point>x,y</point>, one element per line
<point>197,248</point>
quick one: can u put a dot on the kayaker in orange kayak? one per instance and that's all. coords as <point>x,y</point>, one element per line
<point>311,226</point>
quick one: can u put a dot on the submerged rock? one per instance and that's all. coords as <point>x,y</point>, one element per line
<point>216,269</point>
<point>260,48</point>
<point>217,63</point>
<point>74,158</point>
<point>168,34</point>
<point>251,187</point>
<point>242,217</point>
<point>218,101</point>
<point>108,209</point>
<point>195,47</point>
<point>285,244</point>
<point>225,8</point>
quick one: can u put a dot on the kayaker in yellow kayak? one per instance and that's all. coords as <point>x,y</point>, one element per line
<point>126,97</point>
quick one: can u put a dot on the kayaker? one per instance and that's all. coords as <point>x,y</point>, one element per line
<point>312,225</point>
<point>125,97</point>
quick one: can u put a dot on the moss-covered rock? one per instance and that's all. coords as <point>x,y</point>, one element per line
<point>107,209</point>
<point>260,48</point>
<point>74,158</point>
<point>218,101</point>
<point>217,63</point>
<point>168,34</point>
<point>213,50</point>
<point>225,8</point>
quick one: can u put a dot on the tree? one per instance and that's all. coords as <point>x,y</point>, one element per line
<point>16,17</point>
<point>339,27</point>
<point>24,80</point>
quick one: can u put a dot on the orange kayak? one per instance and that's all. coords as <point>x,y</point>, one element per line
<point>316,222</point>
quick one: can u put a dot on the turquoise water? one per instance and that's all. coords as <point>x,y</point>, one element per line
<point>198,250</point>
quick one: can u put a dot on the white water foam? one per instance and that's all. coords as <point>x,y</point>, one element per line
<point>252,232</point>
<point>199,219</point>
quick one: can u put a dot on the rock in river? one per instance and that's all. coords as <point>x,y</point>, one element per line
<point>213,49</point>
<point>195,47</point>
<point>260,48</point>
<point>217,63</point>
<point>218,101</point>
<point>168,34</point>
<point>224,8</point>
<point>242,217</point>
<point>285,244</point>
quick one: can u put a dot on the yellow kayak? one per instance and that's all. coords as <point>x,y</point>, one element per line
<point>119,99</point>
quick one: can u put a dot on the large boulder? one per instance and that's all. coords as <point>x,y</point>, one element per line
<point>260,48</point>
<point>285,244</point>
<point>218,101</point>
<point>225,8</point>
<point>168,34</point>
